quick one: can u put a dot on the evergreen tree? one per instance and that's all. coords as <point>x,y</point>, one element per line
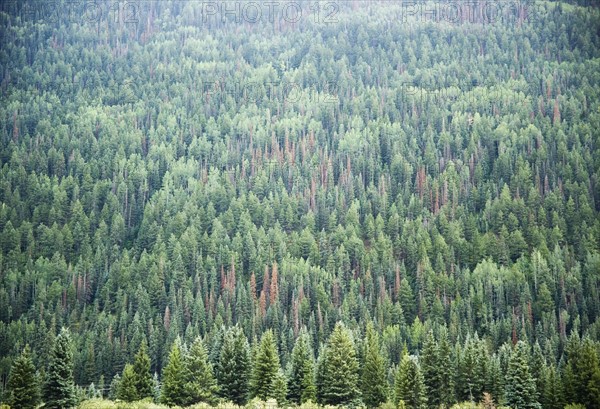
<point>141,372</point>
<point>59,389</point>
<point>280,388</point>
<point>431,368</point>
<point>446,370</point>
<point>338,370</point>
<point>520,385</point>
<point>265,368</point>
<point>23,387</point>
<point>127,390</point>
<point>301,386</point>
<point>374,382</point>
<point>200,385</point>
<point>173,380</point>
<point>410,386</point>
<point>234,366</point>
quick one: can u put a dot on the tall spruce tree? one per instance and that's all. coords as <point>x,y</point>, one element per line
<point>59,389</point>
<point>234,366</point>
<point>23,386</point>
<point>265,368</point>
<point>126,390</point>
<point>338,370</point>
<point>373,382</point>
<point>520,385</point>
<point>409,385</point>
<point>431,368</point>
<point>301,386</point>
<point>446,370</point>
<point>200,383</point>
<point>173,380</point>
<point>141,371</point>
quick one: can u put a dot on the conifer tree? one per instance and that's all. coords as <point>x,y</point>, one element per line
<point>234,366</point>
<point>520,385</point>
<point>265,368</point>
<point>446,370</point>
<point>338,370</point>
<point>141,372</point>
<point>59,389</point>
<point>280,388</point>
<point>23,386</point>
<point>430,365</point>
<point>410,386</point>
<point>127,390</point>
<point>200,385</point>
<point>374,382</point>
<point>301,386</point>
<point>552,396</point>
<point>173,381</point>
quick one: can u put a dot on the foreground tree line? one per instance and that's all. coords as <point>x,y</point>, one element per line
<point>342,375</point>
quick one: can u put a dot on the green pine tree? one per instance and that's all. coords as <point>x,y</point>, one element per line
<point>141,371</point>
<point>338,369</point>
<point>59,389</point>
<point>446,369</point>
<point>234,366</point>
<point>410,386</point>
<point>301,386</point>
<point>23,386</point>
<point>173,381</point>
<point>520,385</point>
<point>127,390</point>
<point>374,382</point>
<point>431,367</point>
<point>200,385</point>
<point>265,369</point>
<point>280,388</point>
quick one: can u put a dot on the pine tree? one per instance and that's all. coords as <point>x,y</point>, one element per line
<point>374,382</point>
<point>301,386</point>
<point>280,388</point>
<point>338,370</point>
<point>234,366</point>
<point>127,390</point>
<point>141,371</point>
<point>59,389</point>
<point>265,369</point>
<point>410,386</point>
<point>173,378</point>
<point>552,396</point>
<point>446,370</point>
<point>200,385</point>
<point>23,386</point>
<point>520,385</point>
<point>431,368</point>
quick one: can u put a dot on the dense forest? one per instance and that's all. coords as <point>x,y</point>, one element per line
<point>351,203</point>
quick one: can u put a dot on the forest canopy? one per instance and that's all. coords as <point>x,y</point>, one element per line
<point>345,203</point>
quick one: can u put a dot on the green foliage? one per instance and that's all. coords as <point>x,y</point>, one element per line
<point>127,390</point>
<point>410,385</point>
<point>173,379</point>
<point>520,385</point>
<point>234,366</point>
<point>265,368</point>
<point>59,388</point>
<point>23,386</point>
<point>338,371</point>
<point>200,385</point>
<point>301,386</point>
<point>373,377</point>
<point>158,180</point>
<point>142,376</point>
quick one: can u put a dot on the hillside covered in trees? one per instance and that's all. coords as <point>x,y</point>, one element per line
<point>351,203</point>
